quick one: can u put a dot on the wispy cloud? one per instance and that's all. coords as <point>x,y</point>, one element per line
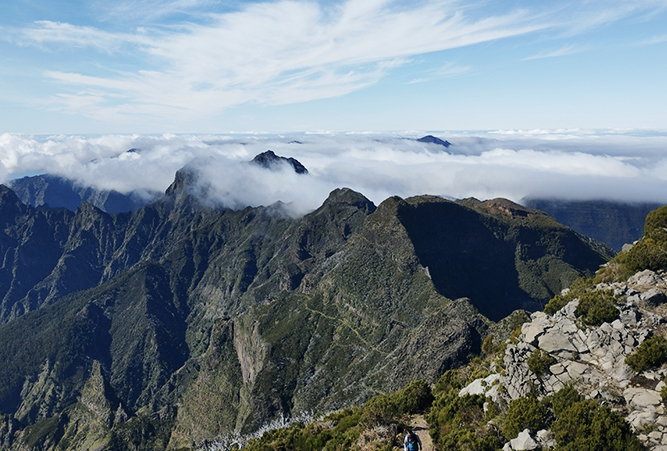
<point>270,53</point>
<point>212,55</point>
<point>447,70</point>
<point>563,51</point>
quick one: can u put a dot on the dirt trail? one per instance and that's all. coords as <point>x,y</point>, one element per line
<point>419,425</point>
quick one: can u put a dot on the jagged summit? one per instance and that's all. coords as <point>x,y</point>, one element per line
<point>269,160</point>
<point>434,140</point>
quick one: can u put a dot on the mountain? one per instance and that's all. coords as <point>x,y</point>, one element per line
<point>434,140</point>
<point>51,191</point>
<point>178,323</point>
<point>270,160</point>
<point>613,223</point>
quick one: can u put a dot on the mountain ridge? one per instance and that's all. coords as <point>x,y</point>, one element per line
<point>255,314</point>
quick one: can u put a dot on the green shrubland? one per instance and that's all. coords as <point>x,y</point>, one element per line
<point>652,352</point>
<point>650,252</point>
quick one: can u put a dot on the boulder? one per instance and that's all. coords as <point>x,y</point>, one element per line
<point>524,441</point>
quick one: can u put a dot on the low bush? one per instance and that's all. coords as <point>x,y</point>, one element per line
<point>597,307</point>
<point>415,398</point>
<point>525,413</point>
<point>652,352</point>
<point>585,425</point>
<point>539,362</point>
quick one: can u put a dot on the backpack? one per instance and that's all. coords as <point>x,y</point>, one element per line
<point>412,443</point>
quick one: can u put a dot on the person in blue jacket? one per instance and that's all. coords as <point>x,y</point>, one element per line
<point>411,442</point>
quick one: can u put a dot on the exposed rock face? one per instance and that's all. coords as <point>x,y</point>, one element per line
<point>593,358</point>
<point>270,160</point>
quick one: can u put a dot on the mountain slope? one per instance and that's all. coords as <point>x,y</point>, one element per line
<point>613,223</point>
<point>57,192</point>
<point>200,322</point>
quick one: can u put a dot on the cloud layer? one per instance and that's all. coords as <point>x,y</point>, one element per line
<point>627,166</point>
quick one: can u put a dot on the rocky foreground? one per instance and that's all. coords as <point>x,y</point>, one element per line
<point>592,359</point>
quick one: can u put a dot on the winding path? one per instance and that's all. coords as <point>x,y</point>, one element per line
<point>419,425</point>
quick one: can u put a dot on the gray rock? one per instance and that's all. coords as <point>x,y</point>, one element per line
<point>644,278</point>
<point>554,341</point>
<point>654,296</point>
<point>524,441</point>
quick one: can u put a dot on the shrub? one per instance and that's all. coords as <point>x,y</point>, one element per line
<point>564,398</point>
<point>556,303</point>
<point>415,398</point>
<point>585,425</point>
<point>459,423</point>
<point>539,362</point>
<point>578,287</point>
<point>487,345</point>
<point>381,410</point>
<point>597,307</point>
<point>652,352</point>
<point>655,225</point>
<point>526,412</point>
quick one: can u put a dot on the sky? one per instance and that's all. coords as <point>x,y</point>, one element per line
<point>222,66</point>
<point>563,99</point>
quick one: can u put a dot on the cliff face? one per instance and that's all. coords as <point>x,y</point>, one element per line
<point>178,322</point>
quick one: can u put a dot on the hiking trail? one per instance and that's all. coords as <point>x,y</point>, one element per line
<point>420,427</point>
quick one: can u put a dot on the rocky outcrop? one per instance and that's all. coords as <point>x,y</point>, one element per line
<point>592,359</point>
<point>270,160</point>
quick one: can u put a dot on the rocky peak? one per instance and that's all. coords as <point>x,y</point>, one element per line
<point>270,160</point>
<point>434,140</point>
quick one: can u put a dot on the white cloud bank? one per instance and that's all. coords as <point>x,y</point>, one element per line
<point>564,164</point>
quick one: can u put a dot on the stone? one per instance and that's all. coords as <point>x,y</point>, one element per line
<point>524,441</point>
<point>654,296</point>
<point>546,438</point>
<point>576,369</point>
<point>555,342</point>
<point>641,397</point>
<point>655,435</point>
<point>629,318</point>
<point>479,386</point>
<point>644,278</point>
<point>533,330</point>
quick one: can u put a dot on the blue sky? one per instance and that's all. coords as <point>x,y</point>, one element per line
<point>207,66</point>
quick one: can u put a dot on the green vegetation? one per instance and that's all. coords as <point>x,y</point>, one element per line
<point>597,307</point>
<point>525,413</point>
<point>343,429</point>
<point>457,423</point>
<point>539,362</point>
<point>578,287</point>
<point>583,424</point>
<point>650,252</point>
<point>340,430</point>
<point>652,352</point>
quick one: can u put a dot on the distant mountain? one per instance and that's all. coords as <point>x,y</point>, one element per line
<point>433,140</point>
<point>57,192</point>
<point>177,323</point>
<point>613,223</point>
<point>270,160</point>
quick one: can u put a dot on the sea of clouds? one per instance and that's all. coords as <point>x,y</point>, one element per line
<point>627,166</point>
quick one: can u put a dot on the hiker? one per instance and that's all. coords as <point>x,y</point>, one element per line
<point>411,442</point>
